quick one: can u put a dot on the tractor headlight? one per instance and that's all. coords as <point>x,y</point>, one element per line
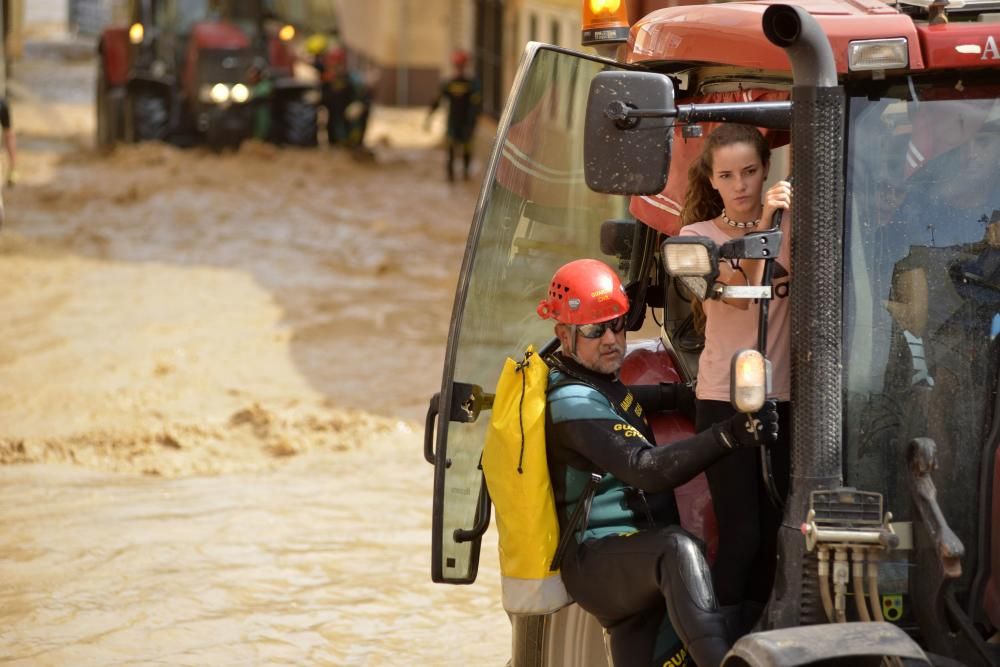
<point>239,93</point>
<point>878,54</point>
<point>750,375</point>
<point>158,69</point>
<point>136,33</point>
<point>219,93</point>
<point>694,260</point>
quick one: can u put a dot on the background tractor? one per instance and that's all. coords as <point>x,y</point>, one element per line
<point>186,71</point>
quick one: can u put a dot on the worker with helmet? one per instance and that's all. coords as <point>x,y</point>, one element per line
<point>465,100</point>
<point>316,44</point>
<point>630,561</point>
<point>346,98</point>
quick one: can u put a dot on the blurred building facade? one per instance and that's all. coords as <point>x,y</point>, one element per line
<point>404,45</point>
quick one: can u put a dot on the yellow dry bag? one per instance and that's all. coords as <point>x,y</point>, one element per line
<point>517,477</point>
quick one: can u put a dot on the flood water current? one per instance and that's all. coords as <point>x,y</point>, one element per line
<point>276,568</point>
<point>213,376</point>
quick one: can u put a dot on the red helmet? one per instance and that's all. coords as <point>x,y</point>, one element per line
<point>584,291</point>
<point>459,58</point>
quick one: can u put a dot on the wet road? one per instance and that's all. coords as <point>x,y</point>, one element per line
<point>324,562</point>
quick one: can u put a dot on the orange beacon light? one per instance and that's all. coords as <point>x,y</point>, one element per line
<point>604,22</point>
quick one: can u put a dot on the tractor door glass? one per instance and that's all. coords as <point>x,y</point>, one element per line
<point>922,287</point>
<point>535,213</point>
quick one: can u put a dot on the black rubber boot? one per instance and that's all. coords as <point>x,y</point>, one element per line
<point>694,611</point>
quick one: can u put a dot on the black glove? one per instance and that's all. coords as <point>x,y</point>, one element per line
<point>759,428</point>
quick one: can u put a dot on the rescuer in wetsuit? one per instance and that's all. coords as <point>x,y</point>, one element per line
<point>465,100</point>
<point>347,101</point>
<point>630,559</point>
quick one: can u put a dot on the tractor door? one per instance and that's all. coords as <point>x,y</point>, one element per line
<point>535,212</point>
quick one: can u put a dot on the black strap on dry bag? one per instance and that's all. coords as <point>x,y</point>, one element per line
<point>581,512</point>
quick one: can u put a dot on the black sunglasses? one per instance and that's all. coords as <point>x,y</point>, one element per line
<point>616,325</point>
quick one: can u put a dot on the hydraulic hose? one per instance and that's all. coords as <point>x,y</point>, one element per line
<point>873,595</point>
<point>840,577</point>
<point>824,582</point>
<point>858,582</point>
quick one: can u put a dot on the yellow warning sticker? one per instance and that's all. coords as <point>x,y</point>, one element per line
<point>892,607</point>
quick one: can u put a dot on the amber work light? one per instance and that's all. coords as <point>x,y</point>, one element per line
<point>604,22</point>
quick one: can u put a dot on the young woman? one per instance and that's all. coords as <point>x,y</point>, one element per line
<point>724,201</point>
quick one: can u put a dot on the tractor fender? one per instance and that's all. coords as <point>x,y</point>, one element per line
<point>807,645</point>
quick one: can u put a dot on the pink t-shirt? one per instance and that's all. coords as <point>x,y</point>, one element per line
<point>729,329</point>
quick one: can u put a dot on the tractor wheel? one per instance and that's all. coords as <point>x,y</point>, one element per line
<point>297,123</point>
<point>148,115</point>
<point>570,636</point>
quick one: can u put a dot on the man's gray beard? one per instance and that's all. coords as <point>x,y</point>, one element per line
<point>615,373</point>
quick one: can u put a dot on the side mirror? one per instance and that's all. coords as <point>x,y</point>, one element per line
<point>626,154</point>
<point>618,237</point>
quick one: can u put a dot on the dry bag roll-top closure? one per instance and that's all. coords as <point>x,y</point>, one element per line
<point>517,478</point>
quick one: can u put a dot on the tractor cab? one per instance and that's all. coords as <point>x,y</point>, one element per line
<point>887,118</point>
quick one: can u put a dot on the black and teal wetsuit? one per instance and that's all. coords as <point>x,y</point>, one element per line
<point>465,101</point>
<point>631,561</point>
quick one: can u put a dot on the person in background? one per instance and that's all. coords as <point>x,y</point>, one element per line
<point>630,563</point>
<point>261,90</point>
<point>465,100</point>
<point>724,201</point>
<point>10,147</point>
<point>347,101</point>
<point>9,142</point>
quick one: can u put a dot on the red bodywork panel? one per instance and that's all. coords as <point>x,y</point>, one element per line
<point>209,35</point>
<point>650,363</point>
<point>981,42</point>
<point>115,55</point>
<point>281,58</point>
<point>730,33</point>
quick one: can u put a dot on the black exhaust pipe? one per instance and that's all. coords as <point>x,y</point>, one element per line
<point>816,299</point>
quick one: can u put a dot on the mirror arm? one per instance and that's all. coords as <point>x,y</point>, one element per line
<point>775,115</point>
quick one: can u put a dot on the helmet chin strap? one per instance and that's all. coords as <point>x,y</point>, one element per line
<point>572,350</point>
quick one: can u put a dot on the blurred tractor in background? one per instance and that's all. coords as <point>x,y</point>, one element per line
<point>180,71</point>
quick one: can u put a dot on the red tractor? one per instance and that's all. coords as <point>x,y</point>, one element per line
<point>185,71</point>
<point>884,114</point>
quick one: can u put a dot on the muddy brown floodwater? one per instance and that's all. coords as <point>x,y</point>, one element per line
<point>212,379</point>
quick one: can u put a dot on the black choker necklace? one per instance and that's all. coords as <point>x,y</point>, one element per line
<point>739,225</point>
